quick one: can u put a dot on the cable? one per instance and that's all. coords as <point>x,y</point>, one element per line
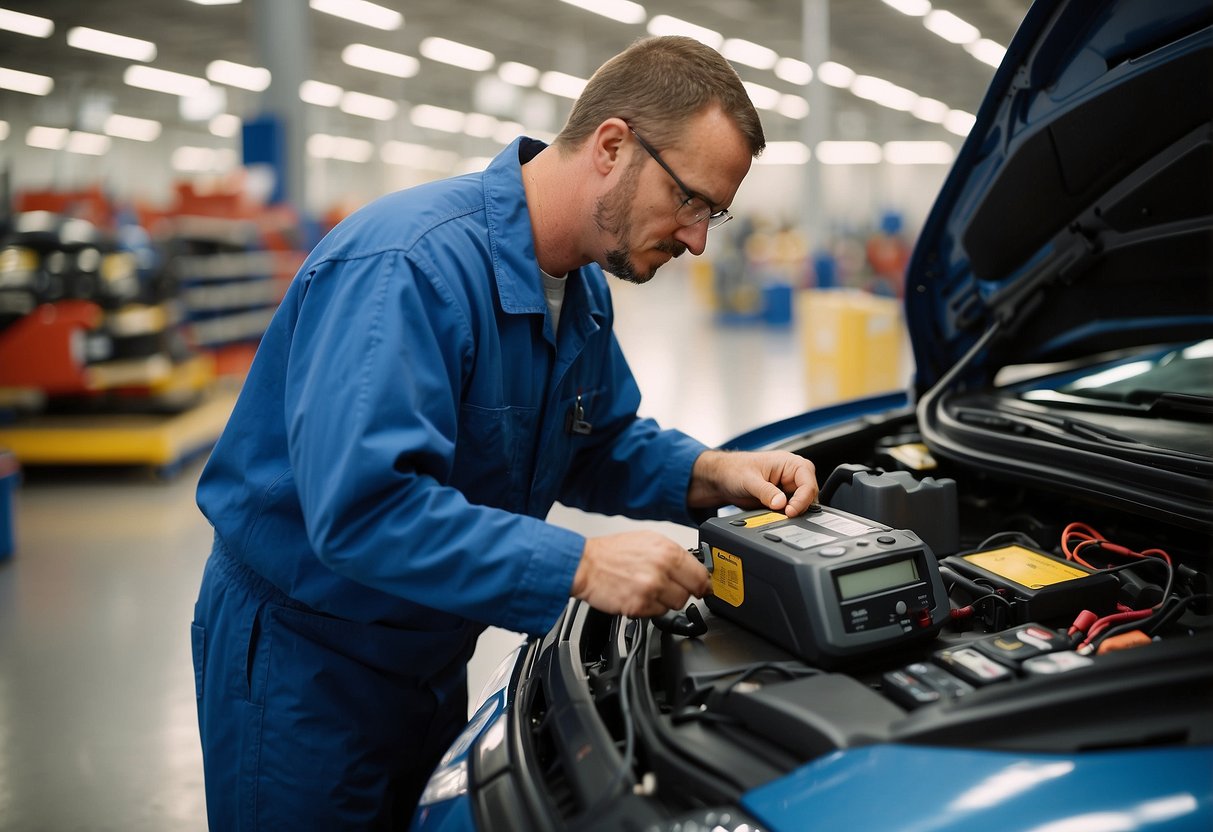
<point>629,727</point>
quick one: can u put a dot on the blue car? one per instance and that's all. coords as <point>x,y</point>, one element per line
<point>998,617</point>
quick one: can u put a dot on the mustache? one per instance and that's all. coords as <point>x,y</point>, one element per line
<point>672,248</point>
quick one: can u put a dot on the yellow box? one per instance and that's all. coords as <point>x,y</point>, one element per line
<point>853,342</point>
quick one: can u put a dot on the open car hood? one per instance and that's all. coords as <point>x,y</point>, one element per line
<point>1079,213</point>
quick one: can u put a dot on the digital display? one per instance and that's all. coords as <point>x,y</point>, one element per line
<point>877,578</point>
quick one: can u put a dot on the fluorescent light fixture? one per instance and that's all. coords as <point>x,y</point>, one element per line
<point>4,130</point>
<point>320,93</point>
<point>88,144</point>
<point>558,83</point>
<point>764,98</point>
<point>161,80</point>
<point>204,104</point>
<point>437,118</point>
<point>479,125</point>
<point>254,78</point>
<point>107,43</point>
<point>749,53</point>
<point>456,54</point>
<point>26,24</point>
<point>215,2</point>
<point>848,153</point>
<point>930,109</point>
<point>360,11</point>
<point>625,11</point>
<point>950,27</point>
<point>914,8</point>
<point>792,106</point>
<point>342,148</point>
<point>664,24</point>
<point>418,156</point>
<point>919,153</point>
<point>225,125</point>
<point>15,79</point>
<point>520,75</point>
<point>187,159</point>
<point>987,51</point>
<point>368,106</point>
<point>784,153</point>
<point>129,127</point>
<point>507,131</point>
<point>793,71</point>
<point>959,122</point>
<point>885,93</point>
<point>47,138</point>
<point>834,74</point>
<point>375,59</point>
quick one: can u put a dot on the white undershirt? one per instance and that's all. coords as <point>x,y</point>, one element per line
<point>553,293</point>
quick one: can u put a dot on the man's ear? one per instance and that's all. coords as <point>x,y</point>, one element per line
<point>608,142</point>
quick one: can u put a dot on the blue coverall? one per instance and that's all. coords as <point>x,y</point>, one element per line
<point>378,495</point>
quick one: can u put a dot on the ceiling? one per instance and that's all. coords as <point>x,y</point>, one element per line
<point>866,35</point>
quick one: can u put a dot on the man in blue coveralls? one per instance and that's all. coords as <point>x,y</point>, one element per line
<point>440,372</point>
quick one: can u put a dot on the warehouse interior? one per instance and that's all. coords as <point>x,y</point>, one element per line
<point>163,213</point>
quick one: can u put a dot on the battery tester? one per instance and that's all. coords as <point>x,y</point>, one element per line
<point>827,585</point>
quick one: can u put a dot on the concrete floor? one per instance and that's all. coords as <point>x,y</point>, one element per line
<point>97,723</point>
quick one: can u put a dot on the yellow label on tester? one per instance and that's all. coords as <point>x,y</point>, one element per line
<point>1025,567</point>
<point>728,582</point>
<point>764,519</point>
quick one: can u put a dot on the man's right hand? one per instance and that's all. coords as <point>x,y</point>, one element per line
<point>638,574</point>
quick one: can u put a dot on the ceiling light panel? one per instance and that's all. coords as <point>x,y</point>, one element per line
<point>107,43</point>
<point>914,8</point>
<point>959,122</point>
<point>161,80</point>
<point>834,74</point>
<point>254,78</point>
<point>929,109</point>
<point>664,24</point>
<point>885,93</point>
<point>88,144</point>
<point>27,82</point>
<point>764,98</point>
<point>848,153</point>
<point>561,84</point>
<point>437,118</point>
<point>784,153</point>
<point>26,24</point>
<point>520,75</point>
<point>320,93</point>
<point>368,106</point>
<point>372,58</point>
<point>456,54</point>
<point>919,153</point>
<point>623,11</point>
<point>950,27</point>
<point>225,125</point>
<point>129,127</point>
<point>793,71</point>
<point>360,11</point>
<point>47,138</point>
<point>987,51</point>
<point>749,53</point>
<point>792,106</point>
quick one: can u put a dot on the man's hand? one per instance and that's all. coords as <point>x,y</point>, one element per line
<point>779,480</point>
<point>638,574</point>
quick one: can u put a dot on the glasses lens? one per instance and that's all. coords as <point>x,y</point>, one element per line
<point>694,210</point>
<point>719,219</point>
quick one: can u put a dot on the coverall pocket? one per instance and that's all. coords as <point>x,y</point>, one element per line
<point>495,454</point>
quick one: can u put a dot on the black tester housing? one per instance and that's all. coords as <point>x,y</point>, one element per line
<point>828,585</point>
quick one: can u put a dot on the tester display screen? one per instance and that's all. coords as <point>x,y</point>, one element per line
<point>867,581</point>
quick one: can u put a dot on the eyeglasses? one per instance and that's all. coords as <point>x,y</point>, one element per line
<point>694,209</point>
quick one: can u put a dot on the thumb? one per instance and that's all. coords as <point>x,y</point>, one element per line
<point>770,495</point>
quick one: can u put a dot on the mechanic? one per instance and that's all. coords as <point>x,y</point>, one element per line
<point>441,371</point>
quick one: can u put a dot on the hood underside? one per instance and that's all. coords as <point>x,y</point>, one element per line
<point>1079,214</point>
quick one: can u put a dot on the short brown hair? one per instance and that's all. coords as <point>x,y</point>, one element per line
<point>657,85</point>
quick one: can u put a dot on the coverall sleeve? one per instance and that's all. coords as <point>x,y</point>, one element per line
<point>372,400</point>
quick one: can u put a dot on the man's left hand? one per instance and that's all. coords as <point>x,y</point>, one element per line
<point>779,480</point>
